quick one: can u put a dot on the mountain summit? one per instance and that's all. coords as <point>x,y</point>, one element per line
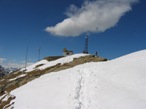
<point>114,84</point>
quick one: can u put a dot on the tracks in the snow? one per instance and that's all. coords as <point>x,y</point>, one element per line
<point>78,93</point>
<point>86,92</point>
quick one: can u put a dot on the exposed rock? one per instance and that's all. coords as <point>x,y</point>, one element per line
<point>52,58</point>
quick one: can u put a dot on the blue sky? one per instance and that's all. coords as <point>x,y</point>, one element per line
<point>23,24</point>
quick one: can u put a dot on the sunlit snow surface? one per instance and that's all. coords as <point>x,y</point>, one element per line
<point>46,63</point>
<point>116,84</point>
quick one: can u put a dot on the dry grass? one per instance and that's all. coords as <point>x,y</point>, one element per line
<point>6,104</point>
<point>39,65</point>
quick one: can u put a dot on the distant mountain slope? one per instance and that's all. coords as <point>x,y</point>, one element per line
<point>115,84</point>
<point>2,71</point>
<point>11,69</point>
<point>5,71</point>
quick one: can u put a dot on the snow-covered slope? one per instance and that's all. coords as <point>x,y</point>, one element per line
<point>115,84</point>
<point>45,64</point>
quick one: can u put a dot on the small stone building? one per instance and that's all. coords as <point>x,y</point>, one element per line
<point>67,52</point>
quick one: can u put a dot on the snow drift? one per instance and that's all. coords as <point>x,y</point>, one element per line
<point>116,84</point>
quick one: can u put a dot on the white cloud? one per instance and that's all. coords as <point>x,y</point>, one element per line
<point>93,16</point>
<point>2,60</point>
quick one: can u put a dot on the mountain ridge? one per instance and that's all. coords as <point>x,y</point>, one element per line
<point>20,78</point>
<point>109,84</point>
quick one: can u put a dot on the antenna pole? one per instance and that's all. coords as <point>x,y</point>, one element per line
<point>86,45</point>
<point>39,51</point>
<point>26,57</point>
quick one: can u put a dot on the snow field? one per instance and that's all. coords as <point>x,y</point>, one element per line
<point>116,84</point>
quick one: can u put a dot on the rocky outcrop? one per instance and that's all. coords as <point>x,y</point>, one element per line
<point>52,58</point>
